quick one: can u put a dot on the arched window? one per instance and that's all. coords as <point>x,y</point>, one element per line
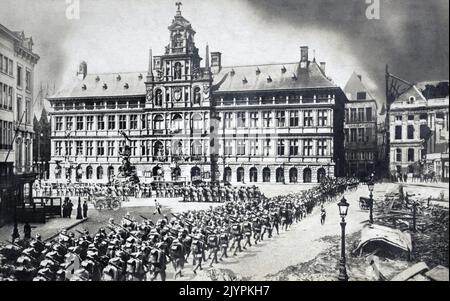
<point>158,122</point>
<point>227,174</point>
<point>110,173</point>
<point>157,171</point>
<point>197,122</point>
<point>253,174</point>
<point>177,148</point>
<point>89,172</point>
<point>196,174</point>
<point>158,149</point>
<point>293,175</point>
<point>197,148</point>
<point>177,122</point>
<point>99,173</point>
<point>280,175</point>
<point>266,174</point>
<point>176,173</point>
<point>197,95</point>
<point>307,175</point>
<point>58,172</point>
<point>240,174</point>
<point>158,97</point>
<point>321,175</point>
<point>177,70</point>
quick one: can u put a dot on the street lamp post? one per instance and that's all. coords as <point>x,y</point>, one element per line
<point>343,209</point>
<point>370,185</point>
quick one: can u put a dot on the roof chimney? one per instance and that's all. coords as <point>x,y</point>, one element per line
<point>82,70</point>
<point>303,56</point>
<point>322,66</point>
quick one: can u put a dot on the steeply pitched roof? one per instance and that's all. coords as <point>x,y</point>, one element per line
<point>355,85</point>
<point>270,77</point>
<point>104,85</point>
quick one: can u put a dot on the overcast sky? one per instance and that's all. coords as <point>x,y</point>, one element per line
<point>115,35</point>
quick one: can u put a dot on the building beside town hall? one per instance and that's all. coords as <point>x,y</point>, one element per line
<point>419,130</point>
<point>189,120</point>
<point>360,129</point>
<point>17,61</point>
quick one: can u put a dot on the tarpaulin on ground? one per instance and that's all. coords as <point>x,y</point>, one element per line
<point>390,236</point>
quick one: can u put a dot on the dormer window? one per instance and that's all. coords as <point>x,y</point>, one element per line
<point>83,87</point>
<point>269,79</point>
<point>140,77</point>
<point>126,86</point>
<point>258,71</point>
<point>105,86</point>
<point>294,76</point>
<point>283,70</point>
<point>118,78</point>
<point>97,79</point>
<point>244,81</point>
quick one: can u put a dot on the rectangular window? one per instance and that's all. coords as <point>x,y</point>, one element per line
<point>398,118</point>
<point>68,148</point>
<point>352,135</point>
<point>89,148</point>
<point>228,147</point>
<point>228,120</point>
<point>10,68</point>
<point>267,118</point>
<point>361,114</point>
<point>361,135</point>
<point>28,81</point>
<point>254,147</point>
<point>280,147</point>
<point>69,123</point>
<point>254,119</point>
<point>10,98</point>
<point>240,147</point>
<point>368,134</point>
<point>27,111</point>
<point>267,147</point>
<point>410,132</point>
<point>89,123</point>
<point>293,147</point>
<point>369,114</point>
<point>307,147</point>
<point>398,132</point>
<point>19,76</point>
<point>58,148</point>
<point>361,95</point>
<point>111,122</point>
<point>58,124</point>
<point>1,63</point>
<point>144,121</point>
<point>293,118</point>
<point>79,148</point>
<point>411,117</point>
<point>346,116</point>
<point>133,122</point>
<point>352,114</point>
<point>346,135</point>
<point>241,119</point>
<point>133,148</point>
<point>308,118</point>
<point>100,122</point>
<point>398,155</point>
<point>80,123</point>
<point>111,150</point>
<point>323,117</point>
<point>281,119</point>
<point>122,122</point>
<point>321,147</point>
<point>100,148</point>
<point>19,108</point>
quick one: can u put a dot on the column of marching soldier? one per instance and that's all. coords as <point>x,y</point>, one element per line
<point>132,251</point>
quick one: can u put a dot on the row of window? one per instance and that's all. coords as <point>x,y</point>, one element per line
<point>409,132</point>
<point>285,147</point>
<point>411,117</point>
<point>6,96</point>
<point>359,135</point>
<point>177,96</point>
<point>362,156</point>
<point>277,118</point>
<point>399,155</point>
<point>6,65</point>
<point>357,115</point>
<point>89,173</point>
<point>124,122</point>
<point>6,134</point>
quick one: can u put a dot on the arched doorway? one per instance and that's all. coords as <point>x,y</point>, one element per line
<point>293,175</point>
<point>227,174</point>
<point>240,174</point>
<point>253,174</point>
<point>307,175</point>
<point>280,175</point>
<point>266,174</point>
<point>196,175</point>
<point>321,174</point>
